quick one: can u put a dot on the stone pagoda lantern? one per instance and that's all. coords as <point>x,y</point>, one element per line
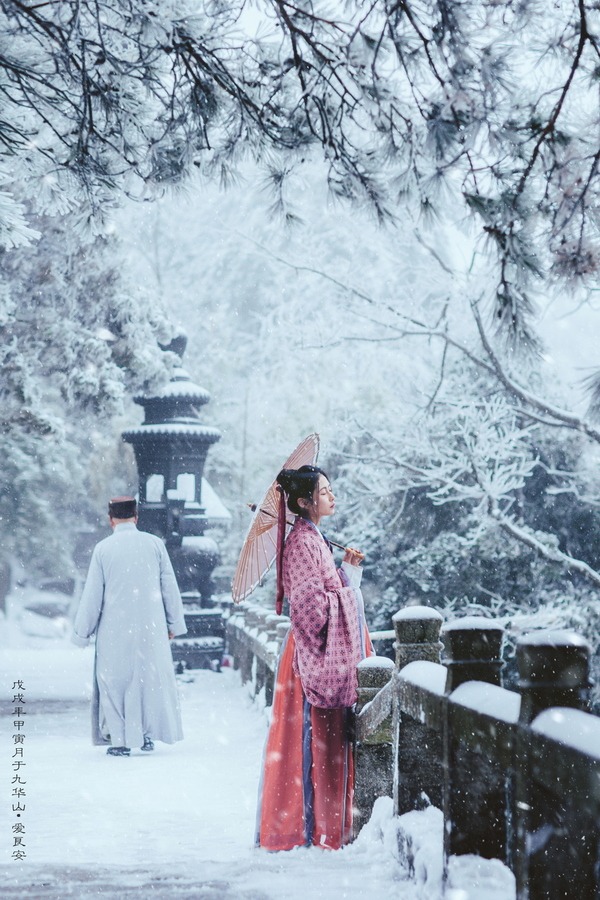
<point>175,500</point>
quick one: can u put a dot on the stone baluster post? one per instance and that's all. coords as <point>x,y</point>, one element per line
<point>475,795</point>
<point>373,757</point>
<point>417,635</point>
<point>556,854</point>
<point>273,622</point>
<point>554,670</point>
<point>283,626</point>
<point>250,614</point>
<point>473,651</point>
<point>244,654</point>
<point>418,748</point>
<point>261,671</point>
<point>232,639</point>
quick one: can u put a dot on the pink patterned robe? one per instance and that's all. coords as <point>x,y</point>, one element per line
<point>308,778</point>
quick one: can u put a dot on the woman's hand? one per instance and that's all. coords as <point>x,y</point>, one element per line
<point>354,557</point>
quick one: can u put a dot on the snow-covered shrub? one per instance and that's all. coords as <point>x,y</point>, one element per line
<point>75,341</point>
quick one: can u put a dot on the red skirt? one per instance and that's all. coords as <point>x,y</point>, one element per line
<point>308,777</point>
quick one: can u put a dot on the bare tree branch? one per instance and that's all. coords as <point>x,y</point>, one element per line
<point>552,554</point>
<point>560,415</point>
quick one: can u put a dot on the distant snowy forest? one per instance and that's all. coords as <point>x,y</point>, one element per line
<point>377,221</point>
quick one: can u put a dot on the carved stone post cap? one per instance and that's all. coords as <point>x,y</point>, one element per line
<point>473,638</point>
<point>559,658</point>
<point>417,625</point>
<point>553,671</point>
<point>261,614</point>
<point>255,615</point>
<point>249,614</point>
<point>374,671</point>
<point>273,619</point>
<point>478,623</point>
<point>270,623</point>
<point>556,637</point>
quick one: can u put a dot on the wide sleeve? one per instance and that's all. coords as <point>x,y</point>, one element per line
<point>170,594</point>
<point>351,575</point>
<point>325,621</point>
<point>90,604</point>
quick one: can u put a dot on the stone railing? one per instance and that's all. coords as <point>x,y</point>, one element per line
<point>254,638</point>
<point>517,775</point>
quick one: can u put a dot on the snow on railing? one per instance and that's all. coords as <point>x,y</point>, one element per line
<point>517,775</point>
<point>254,638</point>
<point>255,635</point>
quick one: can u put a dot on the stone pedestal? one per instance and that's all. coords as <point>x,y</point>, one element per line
<point>373,758</point>
<point>475,795</point>
<point>553,672</point>
<point>418,748</point>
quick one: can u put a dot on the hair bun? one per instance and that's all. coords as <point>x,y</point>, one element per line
<point>294,480</point>
<point>286,479</point>
<point>299,484</point>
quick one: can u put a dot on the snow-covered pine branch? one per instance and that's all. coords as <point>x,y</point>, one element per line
<point>469,109</point>
<point>553,413</point>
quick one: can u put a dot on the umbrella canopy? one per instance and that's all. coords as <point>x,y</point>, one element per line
<point>260,547</point>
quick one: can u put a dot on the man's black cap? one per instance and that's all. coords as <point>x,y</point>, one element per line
<point>122,508</point>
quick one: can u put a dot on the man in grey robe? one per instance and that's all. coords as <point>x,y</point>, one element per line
<point>132,603</point>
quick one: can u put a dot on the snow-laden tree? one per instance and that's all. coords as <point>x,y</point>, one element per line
<point>487,109</point>
<point>459,473</point>
<point>491,106</point>
<point>368,335</point>
<point>478,113</point>
<point>282,351</point>
<point>478,509</point>
<point>76,340</point>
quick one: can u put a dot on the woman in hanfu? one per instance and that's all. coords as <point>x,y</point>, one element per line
<point>308,778</point>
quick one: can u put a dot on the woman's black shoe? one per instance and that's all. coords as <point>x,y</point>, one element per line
<point>118,751</point>
<point>148,744</point>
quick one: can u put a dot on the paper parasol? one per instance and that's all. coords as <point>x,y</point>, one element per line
<point>260,547</point>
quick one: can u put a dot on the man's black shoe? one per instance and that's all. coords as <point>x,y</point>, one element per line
<point>148,744</point>
<point>118,751</point>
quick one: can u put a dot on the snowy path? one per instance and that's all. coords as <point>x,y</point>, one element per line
<point>175,824</point>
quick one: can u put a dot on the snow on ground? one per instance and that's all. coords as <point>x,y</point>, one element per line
<point>179,823</point>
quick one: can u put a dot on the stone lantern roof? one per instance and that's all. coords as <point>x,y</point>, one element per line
<point>174,410</point>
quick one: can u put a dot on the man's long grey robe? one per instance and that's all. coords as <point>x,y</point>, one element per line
<point>131,601</point>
